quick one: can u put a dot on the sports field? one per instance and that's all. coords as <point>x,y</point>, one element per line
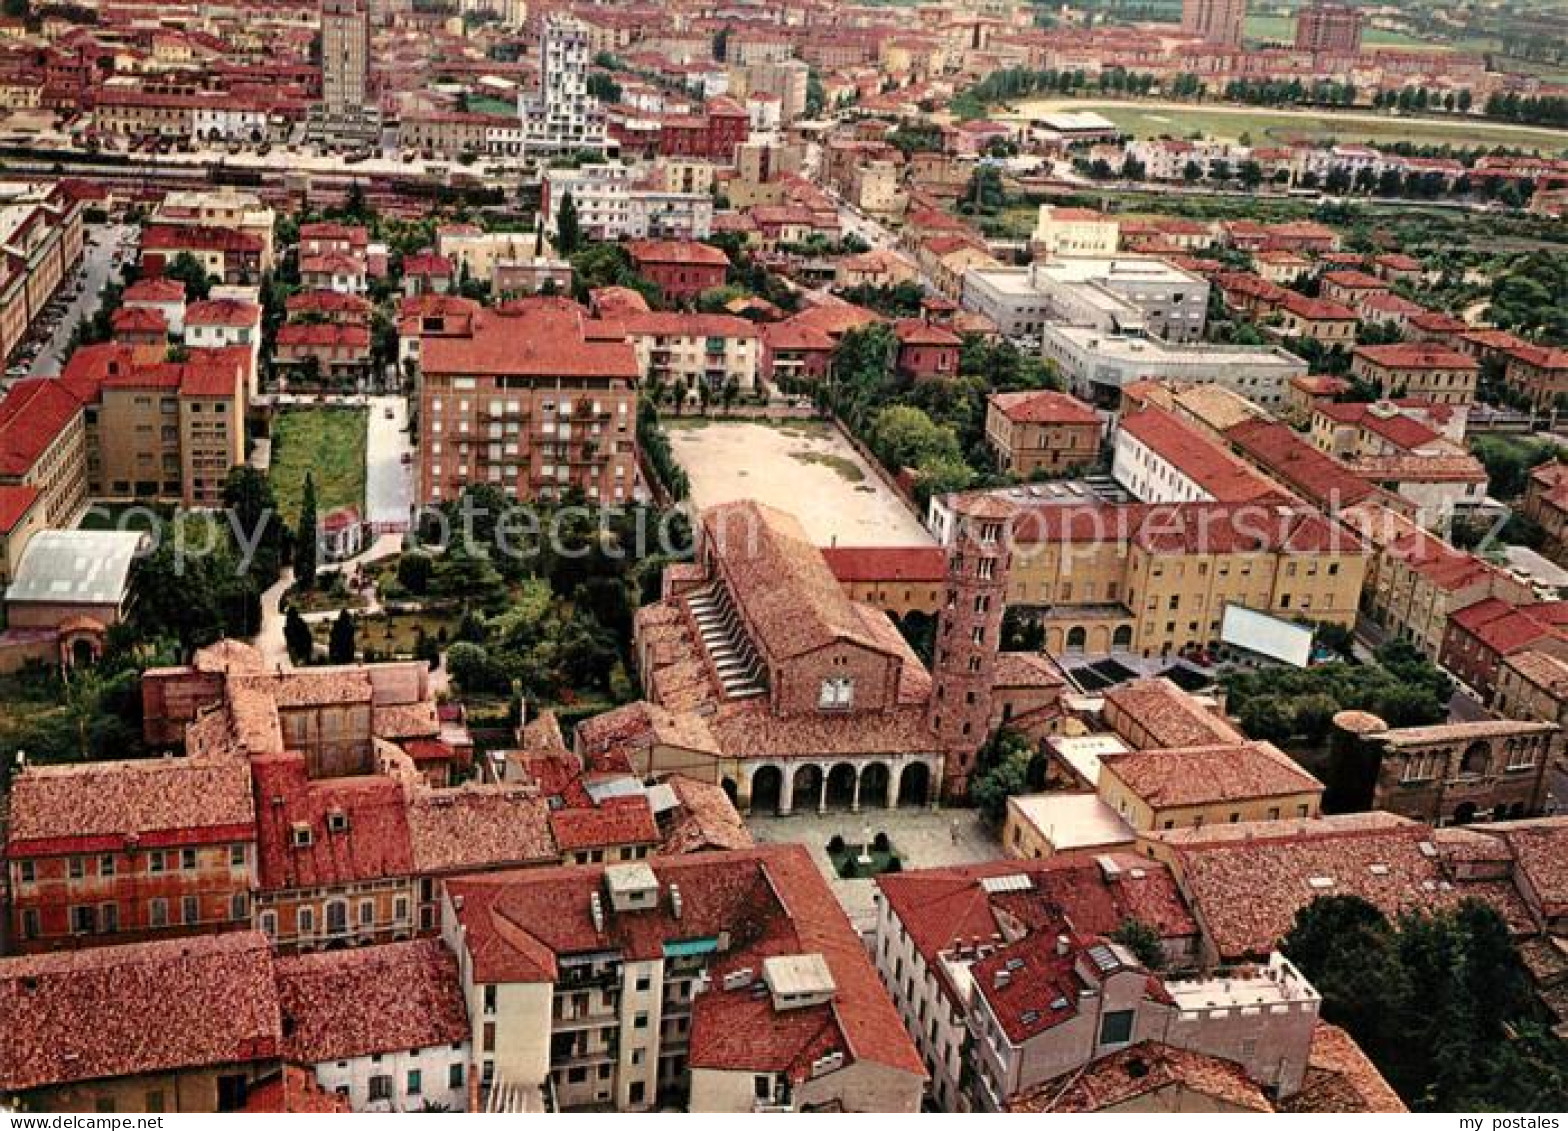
<point>1179,119</point>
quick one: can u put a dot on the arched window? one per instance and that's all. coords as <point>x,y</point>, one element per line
<point>1478,756</point>
<point>1077,637</point>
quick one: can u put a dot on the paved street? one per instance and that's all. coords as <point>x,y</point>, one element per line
<point>97,256</point>
<point>923,838</point>
<point>389,482</point>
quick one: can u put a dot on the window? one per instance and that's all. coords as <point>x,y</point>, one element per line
<point>236,856</point>
<point>82,920</point>
<point>106,865</point>
<point>109,918</point>
<point>306,920</point>
<point>367,912</point>
<point>489,999</point>
<point>640,1021</point>
<point>1116,1027</point>
<point>27,872</point>
<point>239,907</point>
<point>380,1088</point>
<point>30,924</point>
<point>416,1081</point>
<point>190,909</point>
<point>158,912</point>
<point>78,867</point>
<point>643,984</point>
<point>188,859</point>
<point>837,693</point>
<point>454,1076</point>
<point>269,924</point>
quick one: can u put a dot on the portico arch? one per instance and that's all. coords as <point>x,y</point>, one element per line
<point>914,784</point>
<point>841,786</point>
<point>767,789</point>
<point>875,781</point>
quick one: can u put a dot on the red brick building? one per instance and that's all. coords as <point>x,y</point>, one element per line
<point>926,351</point>
<point>1479,637</point>
<point>713,135</point>
<point>681,270</point>
<point>528,399</point>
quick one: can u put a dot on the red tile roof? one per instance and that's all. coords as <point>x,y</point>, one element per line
<point>223,312</point>
<point>919,332</point>
<point>32,416</point>
<point>151,803</point>
<point>1044,407</point>
<point>1248,880</point>
<point>1416,355</point>
<point>770,901</point>
<point>15,502</point>
<point>478,826</point>
<point>155,290</point>
<point>614,822</point>
<point>680,252</point>
<point>375,845</point>
<point>393,998</point>
<point>136,1009</point>
<point>1205,775</point>
<point>1282,453</point>
<point>892,564</point>
<point>530,341</point>
<point>1214,470</point>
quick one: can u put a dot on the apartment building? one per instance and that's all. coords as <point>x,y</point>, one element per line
<point>1043,431</point>
<point>712,350</point>
<point>1539,372</point>
<point>1546,502</point>
<point>934,924</point>
<point>561,116</point>
<point>1160,459</point>
<point>1415,581</point>
<point>528,399</point>
<point>1074,231</point>
<point>1217,21</point>
<point>723,982</point>
<point>232,255</point>
<point>120,851</point>
<point>224,208</point>
<point>164,430</point>
<point>1418,369</point>
<point>41,237</point>
<point>681,269</point>
<point>44,447</point>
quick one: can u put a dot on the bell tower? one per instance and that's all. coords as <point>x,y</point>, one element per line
<point>968,636</point>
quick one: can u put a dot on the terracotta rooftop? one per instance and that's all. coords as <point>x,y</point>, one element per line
<point>893,564</point>
<point>614,822</point>
<point>1171,718</point>
<point>1341,1079</point>
<point>1206,775</point>
<point>32,416</point>
<point>151,803</point>
<point>681,252</point>
<point>1416,355</point>
<point>393,998</point>
<point>478,826</point>
<point>137,1009</point>
<point>1224,477</point>
<point>1044,407</point>
<point>1141,1071</point>
<point>1248,880</point>
<point>357,827</point>
<point>529,341</point>
<point>770,902</point>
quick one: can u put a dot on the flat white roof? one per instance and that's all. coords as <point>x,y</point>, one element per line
<point>1073,820</point>
<point>1083,753</point>
<point>1117,268</point>
<point>76,567</point>
<point>1120,346</point>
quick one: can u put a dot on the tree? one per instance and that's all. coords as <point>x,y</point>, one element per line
<point>568,229</point>
<point>296,635</point>
<point>1001,771</point>
<point>187,269</point>
<point>903,436</point>
<point>253,509</point>
<point>413,572</point>
<point>341,645</point>
<point>305,537</point>
<point>1143,940</point>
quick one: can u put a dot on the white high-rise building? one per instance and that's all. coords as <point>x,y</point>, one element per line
<point>562,117</point>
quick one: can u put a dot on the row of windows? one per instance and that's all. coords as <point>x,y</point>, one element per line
<point>107,865</point>
<point>104,918</point>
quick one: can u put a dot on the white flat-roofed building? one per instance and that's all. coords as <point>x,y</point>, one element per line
<point>1096,365</point>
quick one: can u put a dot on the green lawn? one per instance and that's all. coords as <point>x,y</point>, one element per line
<point>390,635</point>
<point>847,862</point>
<point>329,443</point>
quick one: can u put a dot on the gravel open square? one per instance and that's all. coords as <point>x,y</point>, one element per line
<point>804,467</point>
